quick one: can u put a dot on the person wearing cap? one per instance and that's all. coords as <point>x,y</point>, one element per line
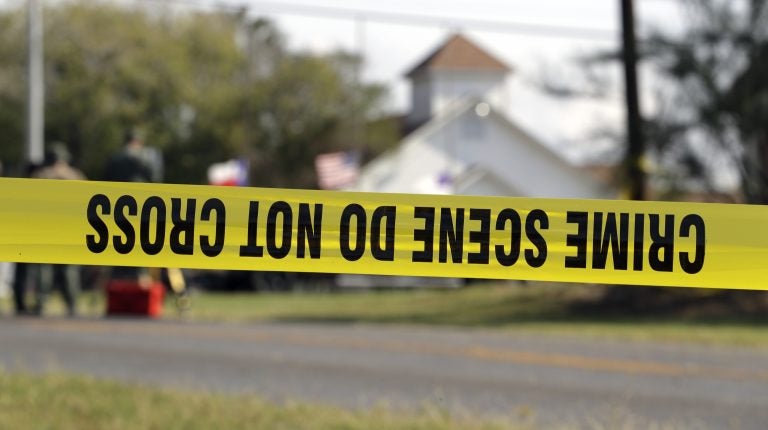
<point>65,277</point>
<point>57,164</point>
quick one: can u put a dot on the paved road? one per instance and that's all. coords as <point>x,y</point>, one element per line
<point>560,380</point>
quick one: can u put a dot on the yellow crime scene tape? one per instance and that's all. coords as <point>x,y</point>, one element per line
<point>188,226</point>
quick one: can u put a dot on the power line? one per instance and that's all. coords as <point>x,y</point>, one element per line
<point>400,18</point>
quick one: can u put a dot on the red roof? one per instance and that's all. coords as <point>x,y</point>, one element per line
<point>459,53</point>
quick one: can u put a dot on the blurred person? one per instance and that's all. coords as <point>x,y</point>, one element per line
<point>57,164</point>
<point>65,277</point>
<point>19,287</point>
<point>24,273</point>
<point>134,162</point>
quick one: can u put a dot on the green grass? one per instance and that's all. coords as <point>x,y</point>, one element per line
<point>72,402</point>
<point>474,306</point>
<point>537,308</point>
<point>541,308</point>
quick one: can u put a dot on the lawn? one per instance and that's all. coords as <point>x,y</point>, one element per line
<point>75,402</point>
<point>540,308</point>
<point>545,309</point>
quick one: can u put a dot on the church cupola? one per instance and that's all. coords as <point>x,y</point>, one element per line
<point>455,71</point>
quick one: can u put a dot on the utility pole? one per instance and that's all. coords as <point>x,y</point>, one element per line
<point>33,149</point>
<point>636,148</point>
<point>248,150</point>
<point>358,134</point>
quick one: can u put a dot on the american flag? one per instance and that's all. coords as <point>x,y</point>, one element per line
<point>337,170</point>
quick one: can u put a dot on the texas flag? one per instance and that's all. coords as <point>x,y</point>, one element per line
<point>233,173</point>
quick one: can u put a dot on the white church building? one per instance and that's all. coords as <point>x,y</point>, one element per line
<point>461,142</point>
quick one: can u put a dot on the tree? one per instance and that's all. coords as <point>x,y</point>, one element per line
<point>205,87</point>
<point>715,96</point>
<point>711,114</point>
<point>11,92</point>
<point>710,97</point>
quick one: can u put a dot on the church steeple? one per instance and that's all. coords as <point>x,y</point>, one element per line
<point>458,69</point>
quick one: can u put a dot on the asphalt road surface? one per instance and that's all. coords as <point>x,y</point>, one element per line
<point>554,379</point>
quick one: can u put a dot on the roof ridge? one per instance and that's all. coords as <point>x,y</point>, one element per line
<point>459,53</point>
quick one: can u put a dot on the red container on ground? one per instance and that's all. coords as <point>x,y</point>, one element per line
<point>127,297</point>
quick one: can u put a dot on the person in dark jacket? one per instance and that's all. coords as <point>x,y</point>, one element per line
<point>24,273</point>
<point>134,162</point>
<point>64,277</point>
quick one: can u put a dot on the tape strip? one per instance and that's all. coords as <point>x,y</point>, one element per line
<point>593,241</point>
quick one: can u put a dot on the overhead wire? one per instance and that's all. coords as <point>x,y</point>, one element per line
<point>402,18</point>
